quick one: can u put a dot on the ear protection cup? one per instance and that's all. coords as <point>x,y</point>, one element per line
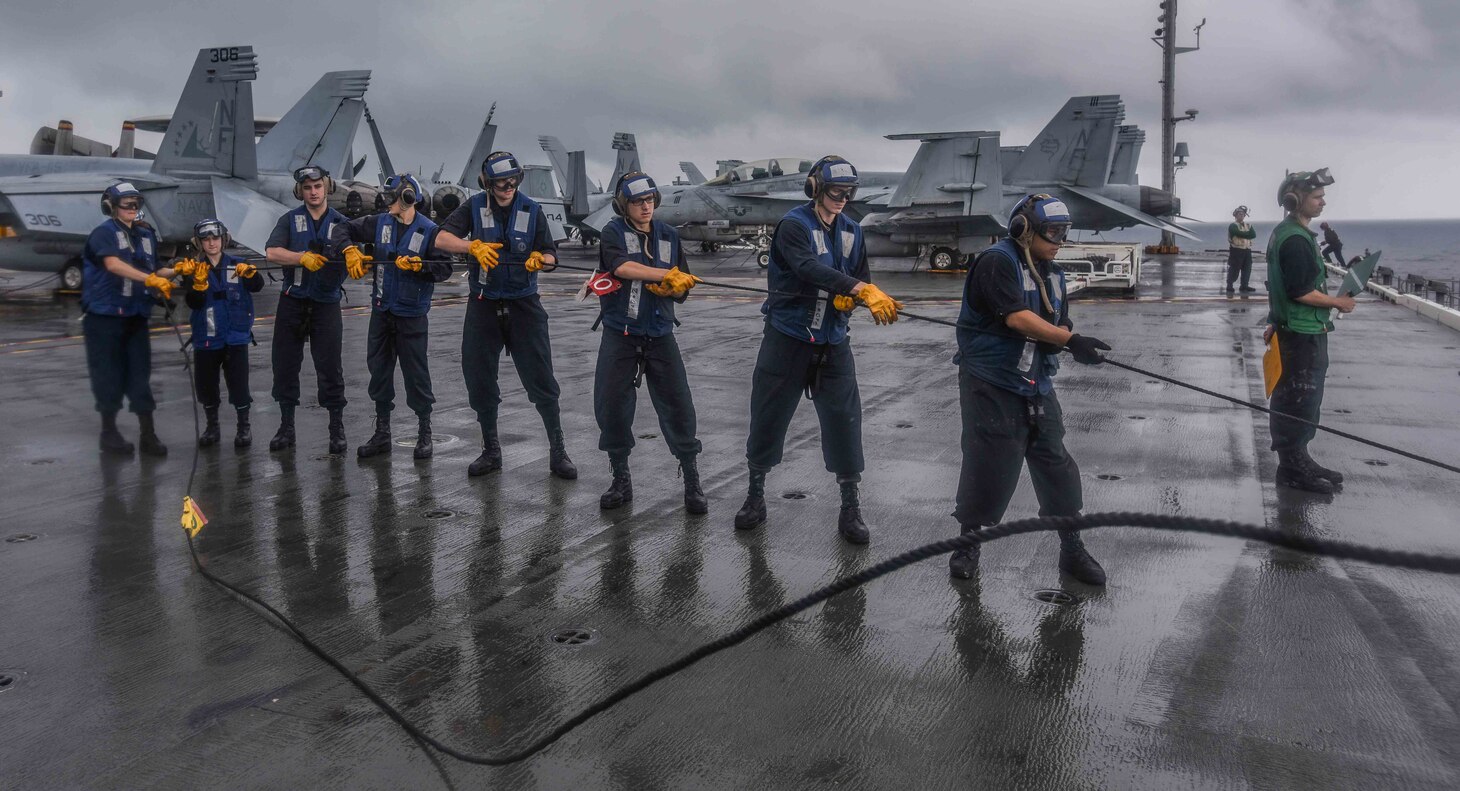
<point>621,206</point>
<point>1018,227</point>
<point>1290,201</point>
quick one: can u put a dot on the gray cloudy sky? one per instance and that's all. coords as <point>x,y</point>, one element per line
<point>1365,87</point>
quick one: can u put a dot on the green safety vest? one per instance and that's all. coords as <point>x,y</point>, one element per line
<point>1287,313</point>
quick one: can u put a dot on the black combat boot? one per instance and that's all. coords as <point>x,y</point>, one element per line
<point>338,445</point>
<point>1294,473</point>
<point>149,443</point>
<point>491,458</point>
<point>622,489</point>
<point>111,439</point>
<point>1332,476</point>
<point>752,514</point>
<point>694,496</point>
<point>284,437</point>
<point>211,432</point>
<point>379,442</point>
<point>849,522</point>
<point>558,460</point>
<point>963,564</point>
<point>424,448</point>
<point>243,436</point>
<point>1076,562</point>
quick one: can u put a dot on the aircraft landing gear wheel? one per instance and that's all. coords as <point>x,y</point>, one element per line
<point>71,275</point>
<point>943,258</point>
<point>763,242</point>
<point>763,259</point>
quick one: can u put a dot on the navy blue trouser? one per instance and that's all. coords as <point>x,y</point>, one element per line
<point>400,338</point>
<point>783,371</point>
<point>232,362</point>
<point>520,326</point>
<point>1003,430</point>
<point>615,399</point>
<point>119,360</point>
<point>298,320</point>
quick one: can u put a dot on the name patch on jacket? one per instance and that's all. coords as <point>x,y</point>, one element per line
<point>300,224</point>
<point>417,239</point>
<point>631,243</point>
<point>666,251</point>
<point>485,215</point>
<point>820,239</point>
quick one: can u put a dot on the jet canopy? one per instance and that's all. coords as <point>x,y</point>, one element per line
<point>762,169</point>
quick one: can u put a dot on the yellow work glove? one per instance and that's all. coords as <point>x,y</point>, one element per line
<point>313,261</point>
<point>535,262</point>
<point>355,262</point>
<point>884,308</point>
<point>409,263</point>
<point>244,271</point>
<point>160,283</point>
<point>200,276</point>
<point>485,253</point>
<point>185,267</point>
<point>843,304</point>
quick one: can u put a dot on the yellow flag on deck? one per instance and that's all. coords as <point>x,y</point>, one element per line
<point>1272,365</point>
<point>192,517</point>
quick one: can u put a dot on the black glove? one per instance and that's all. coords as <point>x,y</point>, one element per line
<point>1087,350</point>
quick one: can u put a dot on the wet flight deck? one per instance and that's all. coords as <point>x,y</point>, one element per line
<point>491,609</point>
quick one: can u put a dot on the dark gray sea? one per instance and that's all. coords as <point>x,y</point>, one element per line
<point>1427,247</point>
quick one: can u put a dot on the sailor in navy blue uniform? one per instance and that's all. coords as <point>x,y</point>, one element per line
<point>817,275</point>
<point>405,277</point>
<point>309,306</point>
<point>1013,325</point>
<point>221,297</point>
<point>508,236</point>
<point>120,277</point>
<point>645,262</point>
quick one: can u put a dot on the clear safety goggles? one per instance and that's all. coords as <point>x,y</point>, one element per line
<point>1055,232</point>
<point>210,230</point>
<point>643,199</point>
<point>840,193</point>
<point>130,204</point>
<point>309,173</point>
<point>505,184</point>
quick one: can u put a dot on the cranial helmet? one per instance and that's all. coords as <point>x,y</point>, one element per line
<point>632,186</point>
<point>830,170</point>
<point>1039,214</point>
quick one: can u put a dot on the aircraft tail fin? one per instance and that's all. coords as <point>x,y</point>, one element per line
<point>578,184</point>
<point>1128,142</point>
<point>558,156</point>
<point>213,126</point>
<point>537,183</point>
<point>320,128</point>
<point>955,178</point>
<point>1076,146</point>
<point>692,172</point>
<point>479,152</point>
<point>628,156</point>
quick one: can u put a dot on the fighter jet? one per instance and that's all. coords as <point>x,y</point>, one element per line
<point>961,186</point>
<point>207,166</point>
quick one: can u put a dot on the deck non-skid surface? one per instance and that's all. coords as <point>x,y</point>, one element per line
<point>1206,663</point>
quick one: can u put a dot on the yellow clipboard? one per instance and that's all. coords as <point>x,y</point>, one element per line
<point>1272,365</point>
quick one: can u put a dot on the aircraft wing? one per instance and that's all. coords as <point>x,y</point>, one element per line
<point>1129,211</point>
<point>598,219</point>
<point>63,204</point>
<point>250,217</point>
<point>874,196</point>
<point>795,196</point>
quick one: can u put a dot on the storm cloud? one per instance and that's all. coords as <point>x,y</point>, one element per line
<point>1364,87</point>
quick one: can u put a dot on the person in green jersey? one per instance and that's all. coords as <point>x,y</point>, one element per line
<point>1300,312</point>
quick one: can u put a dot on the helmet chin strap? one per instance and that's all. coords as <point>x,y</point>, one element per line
<point>1023,243</point>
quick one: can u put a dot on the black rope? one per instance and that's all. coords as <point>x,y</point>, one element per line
<point>1339,550</point>
<point>8,290</point>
